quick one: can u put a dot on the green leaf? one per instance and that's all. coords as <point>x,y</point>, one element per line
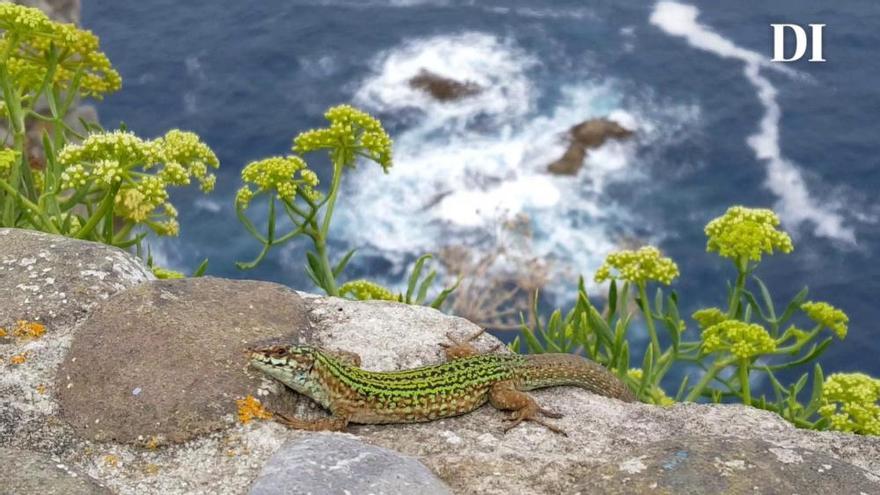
<point>313,269</point>
<point>753,304</point>
<point>415,275</point>
<point>612,296</point>
<point>816,395</point>
<point>600,326</point>
<point>423,288</point>
<point>768,300</point>
<point>202,268</point>
<point>441,298</point>
<point>623,360</point>
<point>647,367</point>
<point>532,343</point>
<point>815,351</point>
<point>679,396</point>
<point>658,301</point>
<point>337,270</point>
<point>794,306</point>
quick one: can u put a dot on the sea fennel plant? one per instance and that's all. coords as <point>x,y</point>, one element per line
<point>108,187</point>
<point>290,188</point>
<point>736,343</point>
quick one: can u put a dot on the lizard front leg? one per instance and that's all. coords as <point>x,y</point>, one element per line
<point>333,423</point>
<point>505,396</point>
<point>463,348</point>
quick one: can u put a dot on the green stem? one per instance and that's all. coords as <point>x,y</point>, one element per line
<point>744,381</point>
<point>706,379</point>
<point>649,319</point>
<point>106,206</point>
<point>30,205</point>
<point>331,198</point>
<point>737,289</point>
<point>321,248</point>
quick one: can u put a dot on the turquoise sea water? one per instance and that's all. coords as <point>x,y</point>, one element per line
<point>716,125</point>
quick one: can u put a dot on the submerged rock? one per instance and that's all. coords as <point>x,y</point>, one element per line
<point>443,88</point>
<point>585,136</point>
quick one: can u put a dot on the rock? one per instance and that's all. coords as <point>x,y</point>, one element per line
<point>30,473</point>
<point>443,88</point>
<point>165,361</point>
<point>56,280</point>
<point>726,465</point>
<point>333,463</point>
<point>585,136</point>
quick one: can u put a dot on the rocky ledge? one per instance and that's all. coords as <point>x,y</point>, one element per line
<point>130,387</point>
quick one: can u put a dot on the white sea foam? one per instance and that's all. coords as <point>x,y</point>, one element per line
<point>784,178</point>
<point>461,168</point>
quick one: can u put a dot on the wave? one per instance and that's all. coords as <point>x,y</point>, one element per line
<point>795,205</point>
<point>462,168</point>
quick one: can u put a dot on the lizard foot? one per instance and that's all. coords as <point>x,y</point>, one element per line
<point>526,414</point>
<point>463,348</point>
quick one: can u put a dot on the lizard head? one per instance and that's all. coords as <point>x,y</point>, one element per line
<point>290,364</point>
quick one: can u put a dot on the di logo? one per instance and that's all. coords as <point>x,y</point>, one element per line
<point>785,33</point>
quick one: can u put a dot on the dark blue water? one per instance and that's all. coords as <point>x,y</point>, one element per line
<point>248,76</point>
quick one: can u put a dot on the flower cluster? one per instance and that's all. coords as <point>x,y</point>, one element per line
<point>849,403</point>
<point>656,395</point>
<point>746,233</point>
<point>34,44</point>
<point>827,316</point>
<point>743,340</point>
<point>287,176</point>
<point>120,159</point>
<point>8,157</point>
<point>366,290</point>
<point>351,132</point>
<point>638,266</point>
<point>708,317</point>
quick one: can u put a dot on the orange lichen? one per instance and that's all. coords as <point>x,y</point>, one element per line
<point>151,469</point>
<point>111,460</point>
<point>153,443</point>
<point>250,408</point>
<point>41,389</point>
<point>3,332</point>
<point>29,329</point>
<point>18,359</point>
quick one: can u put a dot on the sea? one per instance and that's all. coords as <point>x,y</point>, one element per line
<point>716,123</point>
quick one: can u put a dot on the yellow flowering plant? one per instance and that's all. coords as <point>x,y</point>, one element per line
<point>291,188</point>
<point>109,187</point>
<point>736,342</point>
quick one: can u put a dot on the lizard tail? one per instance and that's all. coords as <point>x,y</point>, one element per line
<point>549,370</point>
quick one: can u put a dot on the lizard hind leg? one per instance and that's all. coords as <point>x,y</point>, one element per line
<point>463,348</point>
<point>504,396</point>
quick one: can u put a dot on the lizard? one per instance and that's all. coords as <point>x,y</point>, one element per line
<point>335,380</point>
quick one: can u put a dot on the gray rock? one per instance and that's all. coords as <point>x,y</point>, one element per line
<point>332,464</point>
<point>695,465</point>
<point>56,280</point>
<point>24,472</point>
<point>165,361</point>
